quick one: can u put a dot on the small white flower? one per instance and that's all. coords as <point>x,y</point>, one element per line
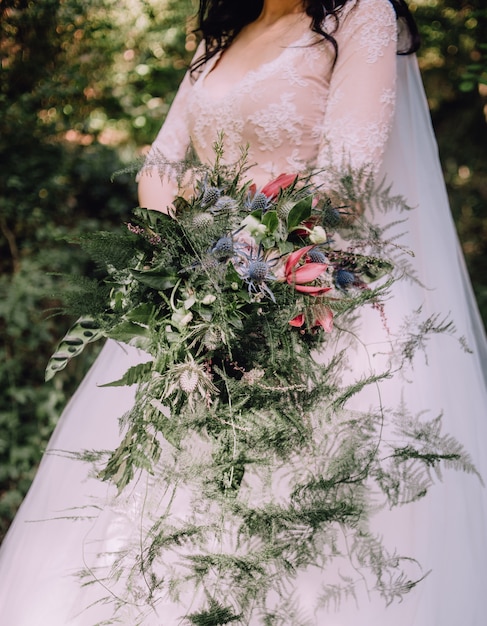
<point>318,235</point>
<point>208,299</point>
<point>188,381</point>
<point>188,303</point>
<point>254,226</point>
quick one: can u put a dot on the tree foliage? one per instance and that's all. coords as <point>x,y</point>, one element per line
<point>84,87</point>
<point>76,100</point>
<point>453,60</point>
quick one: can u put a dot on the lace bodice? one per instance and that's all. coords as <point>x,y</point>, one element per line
<point>298,110</point>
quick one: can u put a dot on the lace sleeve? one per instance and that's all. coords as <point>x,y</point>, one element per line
<point>360,108</point>
<point>172,141</point>
<point>158,178</point>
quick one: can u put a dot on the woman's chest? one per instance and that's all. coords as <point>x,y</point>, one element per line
<point>281,103</point>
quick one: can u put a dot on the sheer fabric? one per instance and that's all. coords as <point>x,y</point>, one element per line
<point>297,110</point>
<point>446,531</point>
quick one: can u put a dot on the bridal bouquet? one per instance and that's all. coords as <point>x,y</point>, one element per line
<point>244,302</point>
<point>233,290</point>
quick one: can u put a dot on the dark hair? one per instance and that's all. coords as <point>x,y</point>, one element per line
<point>219,21</point>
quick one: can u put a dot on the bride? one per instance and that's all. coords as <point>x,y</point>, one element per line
<point>304,83</point>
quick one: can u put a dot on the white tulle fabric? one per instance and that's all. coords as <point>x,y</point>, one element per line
<point>447,530</point>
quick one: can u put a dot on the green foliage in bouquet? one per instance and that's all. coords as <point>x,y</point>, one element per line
<point>243,303</point>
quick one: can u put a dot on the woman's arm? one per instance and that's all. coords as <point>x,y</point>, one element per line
<point>157,179</point>
<point>360,107</point>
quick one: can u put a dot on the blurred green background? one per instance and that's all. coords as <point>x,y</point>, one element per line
<point>84,86</point>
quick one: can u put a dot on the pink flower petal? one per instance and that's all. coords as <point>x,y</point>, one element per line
<point>312,291</point>
<point>325,321</point>
<point>297,321</point>
<point>307,273</point>
<point>271,190</point>
<point>296,256</point>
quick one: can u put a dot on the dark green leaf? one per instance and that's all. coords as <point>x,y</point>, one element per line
<point>300,212</point>
<point>156,278</point>
<point>83,332</point>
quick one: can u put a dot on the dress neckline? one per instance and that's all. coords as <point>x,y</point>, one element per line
<point>252,74</point>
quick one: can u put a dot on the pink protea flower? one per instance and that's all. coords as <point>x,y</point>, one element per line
<point>298,275</point>
<point>297,321</point>
<point>272,189</point>
<point>323,317</point>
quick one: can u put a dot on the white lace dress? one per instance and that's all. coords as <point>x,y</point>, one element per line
<point>295,111</point>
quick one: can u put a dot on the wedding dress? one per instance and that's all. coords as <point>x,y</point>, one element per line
<point>295,110</point>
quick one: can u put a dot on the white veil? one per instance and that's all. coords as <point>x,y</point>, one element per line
<point>411,161</point>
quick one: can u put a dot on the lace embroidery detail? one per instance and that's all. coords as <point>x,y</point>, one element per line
<point>388,97</point>
<point>291,73</point>
<point>293,108</point>
<point>278,122</point>
<point>295,162</point>
<point>363,140</point>
<point>224,115</point>
<point>377,24</point>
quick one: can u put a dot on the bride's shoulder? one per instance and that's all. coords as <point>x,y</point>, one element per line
<point>370,10</point>
<point>373,21</point>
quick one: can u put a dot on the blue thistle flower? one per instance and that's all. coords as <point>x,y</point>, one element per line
<point>258,271</point>
<point>210,196</point>
<point>224,204</point>
<point>224,248</point>
<point>344,279</point>
<point>331,217</point>
<point>258,202</point>
<point>317,256</point>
